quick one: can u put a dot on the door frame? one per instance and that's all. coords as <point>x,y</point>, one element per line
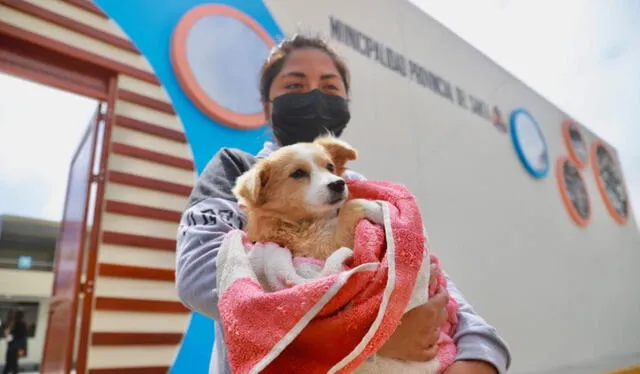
<point>99,179</point>
<point>87,144</point>
<point>34,57</point>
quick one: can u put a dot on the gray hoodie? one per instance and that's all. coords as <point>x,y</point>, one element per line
<point>212,211</point>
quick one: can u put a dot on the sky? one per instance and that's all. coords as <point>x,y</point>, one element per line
<point>582,55</point>
<point>40,129</point>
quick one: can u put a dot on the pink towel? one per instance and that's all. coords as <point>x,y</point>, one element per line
<point>284,315</point>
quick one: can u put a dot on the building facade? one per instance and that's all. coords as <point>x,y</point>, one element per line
<point>527,209</point>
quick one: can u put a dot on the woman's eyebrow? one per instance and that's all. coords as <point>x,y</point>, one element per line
<point>329,76</point>
<point>297,74</point>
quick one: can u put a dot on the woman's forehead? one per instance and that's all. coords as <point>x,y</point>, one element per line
<point>309,61</point>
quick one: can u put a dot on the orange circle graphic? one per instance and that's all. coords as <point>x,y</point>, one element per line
<point>186,77</point>
<point>566,195</point>
<point>597,172</point>
<point>573,154</point>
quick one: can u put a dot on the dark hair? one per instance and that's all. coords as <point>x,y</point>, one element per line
<point>274,63</point>
<point>18,315</point>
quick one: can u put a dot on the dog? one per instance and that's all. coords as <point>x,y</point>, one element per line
<point>298,199</point>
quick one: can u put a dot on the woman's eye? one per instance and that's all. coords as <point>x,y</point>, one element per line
<point>332,87</point>
<point>293,86</point>
<point>299,173</point>
<point>331,168</point>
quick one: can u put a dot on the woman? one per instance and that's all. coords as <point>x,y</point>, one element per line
<point>17,346</point>
<point>304,87</point>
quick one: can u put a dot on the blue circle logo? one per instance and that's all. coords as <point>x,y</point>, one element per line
<point>529,143</point>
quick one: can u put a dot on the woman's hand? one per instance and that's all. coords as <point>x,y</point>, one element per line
<point>416,337</point>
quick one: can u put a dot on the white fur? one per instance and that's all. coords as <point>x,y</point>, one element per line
<point>317,191</point>
<point>317,197</point>
<point>372,210</point>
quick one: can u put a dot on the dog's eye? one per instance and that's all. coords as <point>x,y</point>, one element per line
<point>299,173</point>
<point>331,168</point>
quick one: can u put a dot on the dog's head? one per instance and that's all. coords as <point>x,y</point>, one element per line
<point>303,180</point>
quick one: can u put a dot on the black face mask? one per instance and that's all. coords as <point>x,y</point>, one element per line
<point>302,117</point>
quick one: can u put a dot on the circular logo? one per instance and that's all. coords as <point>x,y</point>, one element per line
<point>219,73</point>
<point>529,143</point>
<point>574,191</point>
<point>609,180</point>
<point>574,141</point>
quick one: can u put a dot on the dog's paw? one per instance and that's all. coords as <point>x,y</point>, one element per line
<point>372,211</point>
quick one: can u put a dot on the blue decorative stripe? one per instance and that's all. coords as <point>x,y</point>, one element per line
<point>150,25</point>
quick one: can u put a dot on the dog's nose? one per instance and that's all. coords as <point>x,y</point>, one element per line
<point>337,186</point>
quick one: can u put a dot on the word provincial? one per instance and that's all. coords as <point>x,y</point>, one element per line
<point>399,64</point>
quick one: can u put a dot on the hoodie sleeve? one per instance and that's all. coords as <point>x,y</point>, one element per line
<point>211,212</point>
<point>352,175</point>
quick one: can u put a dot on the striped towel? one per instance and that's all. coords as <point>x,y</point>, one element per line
<point>292,315</point>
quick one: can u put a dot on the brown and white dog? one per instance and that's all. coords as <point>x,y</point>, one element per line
<point>297,198</point>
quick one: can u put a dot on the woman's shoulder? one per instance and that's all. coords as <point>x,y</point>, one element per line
<point>219,176</point>
<point>232,156</point>
<point>229,162</point>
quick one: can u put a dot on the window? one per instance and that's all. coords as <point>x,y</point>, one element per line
<point>574,141</point>
<point>30,309</point>
<point>610,183</point>
<point>573,191</point>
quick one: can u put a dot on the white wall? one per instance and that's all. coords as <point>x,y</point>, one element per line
<point>26,283</point>
<point>558,294</point>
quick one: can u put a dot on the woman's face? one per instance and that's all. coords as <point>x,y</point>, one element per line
<point>306,70</point>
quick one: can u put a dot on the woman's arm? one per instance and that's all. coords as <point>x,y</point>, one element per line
<point>478,342</point>
<point>211,212</point>
<point>475,338</point>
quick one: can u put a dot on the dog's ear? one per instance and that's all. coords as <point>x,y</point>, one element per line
<point>341,152</point>
<point>250,185</point>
